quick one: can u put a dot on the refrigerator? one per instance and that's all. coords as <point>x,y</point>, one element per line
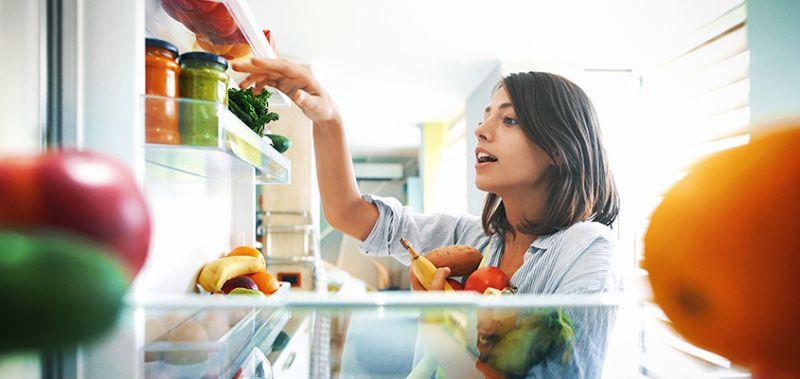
<point>81,85</point>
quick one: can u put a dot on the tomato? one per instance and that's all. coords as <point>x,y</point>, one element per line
<point>486,277</point>
<point>81,192</point>
<point>216,22</point>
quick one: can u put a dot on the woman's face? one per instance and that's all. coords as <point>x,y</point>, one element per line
<point>506,161</point>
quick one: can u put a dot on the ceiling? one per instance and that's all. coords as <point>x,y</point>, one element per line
<point>391,65</point>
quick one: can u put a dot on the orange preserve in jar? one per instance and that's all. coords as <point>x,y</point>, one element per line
<point>161,80</point>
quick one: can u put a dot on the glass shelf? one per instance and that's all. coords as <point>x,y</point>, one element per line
<point>213,144</point>
<point>412,334</point>
<point>222,27</point>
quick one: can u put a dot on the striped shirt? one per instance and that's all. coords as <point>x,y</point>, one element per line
<point>576,260</point>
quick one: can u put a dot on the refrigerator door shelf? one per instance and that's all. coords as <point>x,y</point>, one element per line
<point>222,27</point>
<point>215,145</point>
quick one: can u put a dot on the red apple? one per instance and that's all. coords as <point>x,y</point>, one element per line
<point>81,192</point>
<point>239,282</point>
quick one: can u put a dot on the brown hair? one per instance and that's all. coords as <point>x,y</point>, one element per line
<point>559,117</point>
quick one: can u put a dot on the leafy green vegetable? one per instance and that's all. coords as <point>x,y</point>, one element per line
<point>252,109</point>
<point>542,334</point>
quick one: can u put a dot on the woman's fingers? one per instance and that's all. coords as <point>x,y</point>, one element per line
<point>294,80</point>
<point>281,66</point>
<point>262,82</point>
<point>257,69</point>
<point>412,279</point>
<point>437,283</point>
<point>247,67</point>
<point>273,67</point>
<point>249,80</point>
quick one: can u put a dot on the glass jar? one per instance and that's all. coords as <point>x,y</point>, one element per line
<point>202,77</point>
<point>161,79</point>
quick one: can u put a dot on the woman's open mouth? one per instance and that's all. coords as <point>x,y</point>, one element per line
<point>483,158</point>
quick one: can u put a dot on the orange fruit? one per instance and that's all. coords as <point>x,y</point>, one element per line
<point>723,253</point>
<point>266,283</point>
<point>237,50</point>
<point>206,44</point>
<point>245,251</point>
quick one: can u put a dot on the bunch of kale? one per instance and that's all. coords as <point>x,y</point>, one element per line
<point>252,109</point>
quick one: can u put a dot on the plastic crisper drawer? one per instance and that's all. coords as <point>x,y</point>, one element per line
<point>223,27</point>
<point>211,343</point>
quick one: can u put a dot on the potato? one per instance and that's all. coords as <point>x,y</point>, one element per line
<point>461,259</point>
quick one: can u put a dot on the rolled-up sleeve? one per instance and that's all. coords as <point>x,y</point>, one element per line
<point>425,232</point>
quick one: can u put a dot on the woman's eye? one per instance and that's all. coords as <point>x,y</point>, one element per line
<point>510,121</point>
<point>480,123</point>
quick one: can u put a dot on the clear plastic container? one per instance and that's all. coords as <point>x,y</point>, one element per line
<point>222,27</point>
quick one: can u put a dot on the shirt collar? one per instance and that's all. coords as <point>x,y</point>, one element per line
<point>541,243</point>
<point>546,241</point>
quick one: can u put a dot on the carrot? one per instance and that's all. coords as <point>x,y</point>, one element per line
<point>461,259</point>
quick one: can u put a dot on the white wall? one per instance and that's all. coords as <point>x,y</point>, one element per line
<point>473,114</point>
<point>774,42</point>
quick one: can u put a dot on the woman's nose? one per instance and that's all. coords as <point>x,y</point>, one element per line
<point>482,132</point>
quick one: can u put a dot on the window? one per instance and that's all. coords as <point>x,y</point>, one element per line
<point>694,104</point>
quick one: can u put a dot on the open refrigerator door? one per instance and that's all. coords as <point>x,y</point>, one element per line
<point>201,193</point>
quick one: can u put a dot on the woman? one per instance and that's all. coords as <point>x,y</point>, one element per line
<point>551,197</point>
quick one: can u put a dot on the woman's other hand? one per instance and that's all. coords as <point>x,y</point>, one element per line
<point>292,79</point>
<point>437,283</point>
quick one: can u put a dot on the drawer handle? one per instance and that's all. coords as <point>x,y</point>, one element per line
<point>289,361</point>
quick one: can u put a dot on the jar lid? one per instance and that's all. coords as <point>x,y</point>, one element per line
<point>162,44</point>
<point>203,56</point>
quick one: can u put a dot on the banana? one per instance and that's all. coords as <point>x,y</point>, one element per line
<point>214,275</point>
<point>423,268</point>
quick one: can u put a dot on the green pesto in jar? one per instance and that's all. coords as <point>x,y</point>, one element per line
<point>202,77</point>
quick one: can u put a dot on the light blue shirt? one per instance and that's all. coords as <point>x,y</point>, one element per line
<point>576,260</point>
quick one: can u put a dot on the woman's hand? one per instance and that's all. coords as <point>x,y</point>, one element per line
<point>292,79</point>
<point>437,283</point>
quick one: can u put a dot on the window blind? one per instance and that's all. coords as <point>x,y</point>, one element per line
<point>695,103</point>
